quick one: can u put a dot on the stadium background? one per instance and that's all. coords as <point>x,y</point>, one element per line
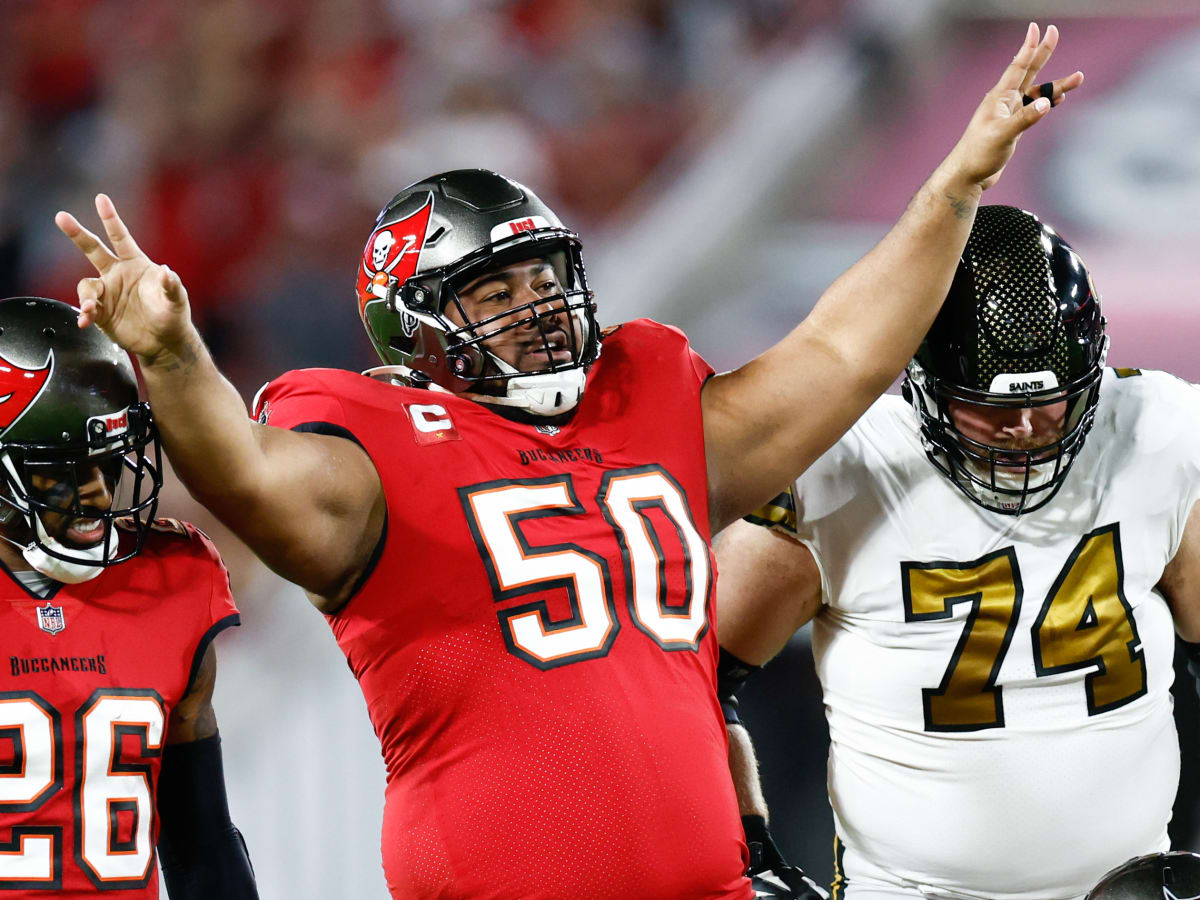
<point>723,162</point>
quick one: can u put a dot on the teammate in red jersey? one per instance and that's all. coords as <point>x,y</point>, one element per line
<point>108,740</point>
<point>508,528</point>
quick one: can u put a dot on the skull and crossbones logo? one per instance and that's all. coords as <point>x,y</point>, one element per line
<point>384,241</point>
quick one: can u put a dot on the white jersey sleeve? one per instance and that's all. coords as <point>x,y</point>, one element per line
<point>997,687</point>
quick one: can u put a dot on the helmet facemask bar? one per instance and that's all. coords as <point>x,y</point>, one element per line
<point>129,463</point>
<point>1006,480</point>
<point>571,310</point>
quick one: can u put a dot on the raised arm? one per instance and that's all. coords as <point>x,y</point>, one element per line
<point>310,505</point>
<point>767,421</point>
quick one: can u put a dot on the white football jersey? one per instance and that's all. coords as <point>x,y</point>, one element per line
<point>997,686</point>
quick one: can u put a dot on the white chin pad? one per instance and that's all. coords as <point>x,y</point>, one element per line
<point>548,393</point>
<point>61,569</point>
<point>1007,480</point>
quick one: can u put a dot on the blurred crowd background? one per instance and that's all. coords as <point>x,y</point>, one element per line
<point>724,162</point>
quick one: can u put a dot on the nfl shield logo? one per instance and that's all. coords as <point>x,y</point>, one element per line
<point>50,618</point>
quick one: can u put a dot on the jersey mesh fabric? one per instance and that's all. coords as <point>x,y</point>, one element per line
<point>601,773</point>
<point>133,635</point>
<point>1068,785</point>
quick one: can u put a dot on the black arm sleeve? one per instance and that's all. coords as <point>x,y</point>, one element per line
<point>202,854</point>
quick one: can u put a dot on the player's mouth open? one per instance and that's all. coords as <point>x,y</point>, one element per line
<point>554,349</point>
<point>85,532</point>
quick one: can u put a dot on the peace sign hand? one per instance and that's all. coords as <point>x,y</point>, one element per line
<point>141,305</point>
<point>1002,117</point>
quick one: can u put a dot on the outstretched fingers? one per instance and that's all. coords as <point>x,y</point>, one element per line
<point>91,246</point>
<point>1026,115</point>
<point>123,244</point>
<point>1014,76</point>
<point>1041,56</point>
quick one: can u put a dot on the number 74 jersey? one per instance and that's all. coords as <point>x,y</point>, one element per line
<point>997,686</point>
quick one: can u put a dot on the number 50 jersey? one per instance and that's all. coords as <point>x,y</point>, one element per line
<point>534,642</point>
<point>997,686</point>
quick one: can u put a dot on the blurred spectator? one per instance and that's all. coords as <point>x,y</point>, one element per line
<point>255,139</point>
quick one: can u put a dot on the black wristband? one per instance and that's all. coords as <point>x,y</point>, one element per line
<point>731,675</point>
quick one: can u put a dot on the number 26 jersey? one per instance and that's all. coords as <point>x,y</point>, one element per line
<point>90,674</point>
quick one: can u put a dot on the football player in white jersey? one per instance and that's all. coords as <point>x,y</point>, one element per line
<point>992,596</point>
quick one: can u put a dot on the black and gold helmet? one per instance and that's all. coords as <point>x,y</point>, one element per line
<point>437,235</point>
<point>1021,327</point>
<point>1156,876</point>
<point>69,409</point>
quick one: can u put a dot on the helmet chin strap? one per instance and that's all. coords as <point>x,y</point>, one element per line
<point>51,566</point>
<point>542,394</point>
<point>61,569</point>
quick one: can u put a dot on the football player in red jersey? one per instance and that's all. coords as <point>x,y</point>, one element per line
<point>508,527</point>
<point>108,740</point>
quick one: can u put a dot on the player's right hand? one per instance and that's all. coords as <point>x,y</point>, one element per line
<point>1002,117</point>
<point>140,304</point>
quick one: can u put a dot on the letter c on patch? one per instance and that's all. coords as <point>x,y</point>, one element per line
<point>429,418</point>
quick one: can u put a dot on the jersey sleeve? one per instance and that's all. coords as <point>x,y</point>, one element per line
<point>302,400</point>
<point>222,612</point>
<point>778,514</point>
<point>1174,420</point>
<point>699,365</point>
<point>658,344</point>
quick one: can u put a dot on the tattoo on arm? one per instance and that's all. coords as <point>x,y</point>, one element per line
<point>185,358</point>
<point>962,208</point>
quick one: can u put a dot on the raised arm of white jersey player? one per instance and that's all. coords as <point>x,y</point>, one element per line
<point>767,421</point>
<point>769,587</point>
<point>1180,582</point>
<point>310,505</point>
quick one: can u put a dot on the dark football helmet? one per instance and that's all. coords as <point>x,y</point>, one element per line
<point>69,409</point>
<point>1021,327</point>
<point>434,237</point>
<point>1158,876</point>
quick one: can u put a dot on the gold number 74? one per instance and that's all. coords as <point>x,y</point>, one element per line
<point>1084,622</point>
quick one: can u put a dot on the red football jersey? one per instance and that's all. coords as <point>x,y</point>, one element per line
<point>534,638</point>
<point>90,676</point>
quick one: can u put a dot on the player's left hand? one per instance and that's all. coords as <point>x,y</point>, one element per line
<point>139,304</point>
<point>770,875</point>
<point>1000,120</point>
